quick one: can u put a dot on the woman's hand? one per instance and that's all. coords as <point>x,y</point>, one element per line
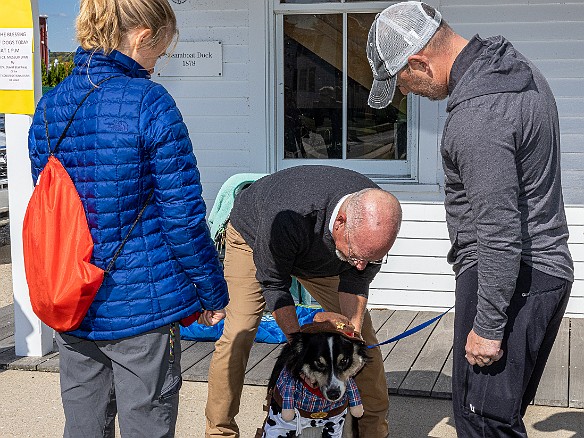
<point>211,317</point>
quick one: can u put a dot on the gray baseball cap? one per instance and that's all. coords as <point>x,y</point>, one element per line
<point>397,33</point>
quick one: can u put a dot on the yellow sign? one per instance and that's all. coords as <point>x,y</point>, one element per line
<point>16,57</point>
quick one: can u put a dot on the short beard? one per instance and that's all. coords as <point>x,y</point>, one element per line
<point>425,87</point>
<point>432,90</point>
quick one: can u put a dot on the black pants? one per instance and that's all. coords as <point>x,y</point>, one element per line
<point>491,401</point>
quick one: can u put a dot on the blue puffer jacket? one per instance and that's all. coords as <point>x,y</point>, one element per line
<point>127,138</point>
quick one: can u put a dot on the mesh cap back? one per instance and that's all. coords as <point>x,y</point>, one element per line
<point>397,33</point>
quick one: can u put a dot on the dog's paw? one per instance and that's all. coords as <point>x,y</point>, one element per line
<point>357,411</point>
<point>287,414</point>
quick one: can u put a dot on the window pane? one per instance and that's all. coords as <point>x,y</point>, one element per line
<point>313,62</point>
<point>371,133</point>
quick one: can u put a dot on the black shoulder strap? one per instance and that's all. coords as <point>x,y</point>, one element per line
<point>54,151</point>
<point>119,250</point>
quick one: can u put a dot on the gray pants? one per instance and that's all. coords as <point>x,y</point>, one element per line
<point>138,378</point>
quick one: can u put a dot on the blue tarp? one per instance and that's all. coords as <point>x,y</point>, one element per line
<point>268,331</point>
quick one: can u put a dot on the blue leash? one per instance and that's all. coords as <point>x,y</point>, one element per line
<point>412,330</point>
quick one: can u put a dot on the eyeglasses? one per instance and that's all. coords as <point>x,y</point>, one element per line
<point>356,260</point>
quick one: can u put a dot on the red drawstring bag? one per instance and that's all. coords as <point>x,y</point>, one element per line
<point>57,248</point>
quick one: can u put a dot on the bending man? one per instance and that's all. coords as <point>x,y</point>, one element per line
<point>331,228</point>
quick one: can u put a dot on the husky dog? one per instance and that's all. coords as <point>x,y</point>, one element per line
<point>311,384</point>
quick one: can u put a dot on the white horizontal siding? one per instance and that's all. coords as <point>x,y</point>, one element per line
<point>201,88</point>
<point>217,124</point>
<point>411,299</point>
<point>475,13</point>
<point>577,251</point>
<point>518,32</point>
<point>428,247</point>
<point>551,34</point>
<point>229,123</point>
<point>221,143</point>
<point>552,51</point>
<point>442,4</point>
<point>417,275</point>
<point>204,5</point>
<point>224,18</point>
<point>214,106</point>
<point>577,234</point>
<point>575,216</point>
<point>225,115</point>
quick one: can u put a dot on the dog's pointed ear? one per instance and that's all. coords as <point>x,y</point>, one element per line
<point>297,345</point>
<point>362,350</point>
<point>296,341</point>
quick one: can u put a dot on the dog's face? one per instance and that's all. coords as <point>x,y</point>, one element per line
<point>327,360</point>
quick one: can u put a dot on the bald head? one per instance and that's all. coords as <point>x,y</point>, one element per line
<point>373,220</point>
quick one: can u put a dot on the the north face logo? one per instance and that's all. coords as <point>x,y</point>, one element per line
<point>118,126</point>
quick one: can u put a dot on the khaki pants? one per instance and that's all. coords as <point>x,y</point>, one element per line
<point>244,312</point>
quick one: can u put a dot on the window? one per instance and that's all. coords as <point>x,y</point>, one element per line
<point>323,80</point>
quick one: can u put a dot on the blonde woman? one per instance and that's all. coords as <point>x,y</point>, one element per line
<point>127,149</point>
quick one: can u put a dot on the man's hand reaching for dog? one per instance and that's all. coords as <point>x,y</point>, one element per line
<point>353,307</point>
<point>211,317</point>
<point>287,320</point>
<point>481,351</point>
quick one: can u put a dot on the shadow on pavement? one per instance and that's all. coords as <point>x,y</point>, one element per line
<point>411,417</point>
<point>5,257</point>
<point>563,421</point>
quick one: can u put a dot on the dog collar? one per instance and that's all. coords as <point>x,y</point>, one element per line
<point>316,391</point>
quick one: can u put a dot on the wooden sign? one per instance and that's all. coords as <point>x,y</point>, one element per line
<point>199,58</point>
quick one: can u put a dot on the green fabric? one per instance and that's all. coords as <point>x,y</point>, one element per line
<point>224,202</point>
<point>300,294</point>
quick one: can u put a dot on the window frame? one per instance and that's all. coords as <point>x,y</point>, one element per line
<point>381,171</point>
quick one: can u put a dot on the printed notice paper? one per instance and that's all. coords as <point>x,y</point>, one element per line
<point>16,59</point>
<point>17,94</point>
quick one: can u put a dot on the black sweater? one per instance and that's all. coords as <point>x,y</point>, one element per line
<point>284,218</point>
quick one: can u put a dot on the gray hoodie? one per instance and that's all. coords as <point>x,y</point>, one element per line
<point>501,158</point>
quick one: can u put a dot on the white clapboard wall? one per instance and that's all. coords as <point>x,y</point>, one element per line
<point>417,275</point>
<point>231,121</point>
<point>551,34</point>
<point>225,115</point>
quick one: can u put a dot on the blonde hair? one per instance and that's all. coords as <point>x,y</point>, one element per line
<point>102,24</point>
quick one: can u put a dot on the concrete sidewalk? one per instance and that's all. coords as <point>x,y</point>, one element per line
<point>30,406</point>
